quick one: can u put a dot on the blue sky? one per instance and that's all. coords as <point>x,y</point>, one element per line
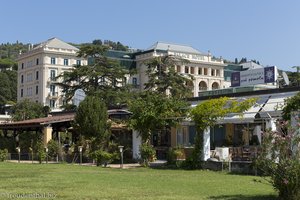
<point>265,30</point>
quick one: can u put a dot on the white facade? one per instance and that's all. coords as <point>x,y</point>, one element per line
<point>208,73</point>
<point>38,68</point>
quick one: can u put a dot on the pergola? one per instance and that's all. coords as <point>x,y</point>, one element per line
<point>46,125</point>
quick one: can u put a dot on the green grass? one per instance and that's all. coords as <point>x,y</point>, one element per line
<point>87,182</point>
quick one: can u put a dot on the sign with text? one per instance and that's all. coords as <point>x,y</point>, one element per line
<point>254,77</point>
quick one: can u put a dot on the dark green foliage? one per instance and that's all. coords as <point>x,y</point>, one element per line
<point>103,157</point>
<point>3,155</point>
<point>152,111</point>
<point>91,119</point>
<point>103,77</point>
<point>5,92</point>
<point>29,139</point>
<point>27,109</point>
<point>173,155</point>
<point>163,77</point>
<point>208,112</point>
<point>12,50</point>
<point>147,154</point>
<point>40,149</point>
<point>7,63</point>
<point>53,148</point>
<point>291,104</point>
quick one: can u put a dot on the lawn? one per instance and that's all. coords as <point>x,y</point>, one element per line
<point>88,182</point>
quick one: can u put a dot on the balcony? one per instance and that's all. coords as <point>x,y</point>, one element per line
<point>53,95</point>
<point>52,80</point>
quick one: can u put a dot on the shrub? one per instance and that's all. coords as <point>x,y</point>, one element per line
<point>41,151</point>
<point>3,155</point>
<point>103,157</point>
<point>147,154</point>
<point>279,159</point>
<point>173,155</point>
<point>53,148</point>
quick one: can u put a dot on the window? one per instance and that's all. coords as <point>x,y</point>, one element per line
<point>37,75</point>
<point>218,72</point>
<point>181,136</point>
<point>78,62</point>
<point>186,70</point>
<point>178,68</point>
<point>21,92</point>
<point>22,66</point>
<point>37,89</point>
<point>53,61</point>
<point>29,77</point>
<point>52,75</point>
<point>37,61</point>
<point>192,70</point>
<point>212,72</point>
<point>134,81</point>
<point>52,90</point>
<point>22,79</point>
<point>52,103</point>
<point>205,71</point>
<point>66,62</point>
<point>29,91</point>
<point>200,71</point>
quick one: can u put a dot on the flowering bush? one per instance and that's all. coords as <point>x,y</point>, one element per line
<point>280,159</point>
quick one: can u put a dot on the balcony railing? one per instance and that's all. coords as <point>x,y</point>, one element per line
<point>53,95</point>
<point>52,80</point>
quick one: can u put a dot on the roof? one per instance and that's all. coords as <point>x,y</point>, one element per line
<point>173,47</point>
<point>55,119</point>
<point>39,121</point>
<point>56,43</point>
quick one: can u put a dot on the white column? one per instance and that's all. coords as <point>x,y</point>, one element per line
<point>136,143</point>
<point>182,69</point>
<point>206,144</point>
<point>257,131</point>
<point>271,124</point>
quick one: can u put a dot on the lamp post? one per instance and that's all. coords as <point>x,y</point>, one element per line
<point>121,152</point>
<point>19,153</point>
<point>80,153</point>
<point>46,150</point>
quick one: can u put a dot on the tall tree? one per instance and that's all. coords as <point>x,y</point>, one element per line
<point>91,120</point>
<point>103,76</point>
<point>291,105</point>
<point>152,111</point>
<point>5,92</point>
<point>27,109</point>
<point>163,77</point>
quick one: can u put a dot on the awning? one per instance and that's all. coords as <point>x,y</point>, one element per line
<point>249,115</point>
<point>273,106</point>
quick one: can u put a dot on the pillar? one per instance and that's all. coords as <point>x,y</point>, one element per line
<point>206,144</point>
<point>271,124</point>
<point>257,131</point>
<point>136,143</point>
<point>47,134</point>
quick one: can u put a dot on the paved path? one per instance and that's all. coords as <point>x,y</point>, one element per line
<point>125,166</point>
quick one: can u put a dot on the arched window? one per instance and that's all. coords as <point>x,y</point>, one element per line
<point>202,86</point>
<point>215,86</point>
